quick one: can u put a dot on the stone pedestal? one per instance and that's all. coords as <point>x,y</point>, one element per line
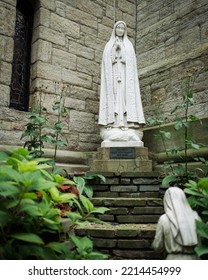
<point>122,159</point>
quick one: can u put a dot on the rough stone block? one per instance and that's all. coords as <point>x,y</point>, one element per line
<point>41,50</point>
<point>106,217</point>
<point>149,188</point>
<point>147,210</point>
<point>123,188</point>
<point>80,50</point>
<point>118,211</point>
<point>64,59</point>
<point>101,233</point>
<point>81,121</point>
<point>65,26</point>
<point>133,244</point>
<point>125,181</point>
<point>49,35</point>
<point>76,78</point>
<point>106,194</point>
<point>137,219</point>
<point>119,166</point>
<point>104,243</point>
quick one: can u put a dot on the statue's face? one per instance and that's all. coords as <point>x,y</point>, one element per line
<point>120,29</point>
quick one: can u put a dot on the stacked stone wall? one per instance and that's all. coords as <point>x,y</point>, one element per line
<point>67,45</point>
<point>172,37</point>
<point>68,40</point>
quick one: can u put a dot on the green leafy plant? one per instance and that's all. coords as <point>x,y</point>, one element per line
<point>198,199</point>
<point>84,249</point>
<point>39,131</point>
<point>176,173</point>
<point>34,130</point>
<point>58,138</point>
<point>30,217</point>
<point>83,208</point>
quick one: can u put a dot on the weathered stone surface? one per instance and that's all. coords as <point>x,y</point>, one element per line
<point>168,37</point>
<point>123,188</point>
<point>7,22</point>
<point>81,121</point>
<point>6,48</point>
<point>5,90</point>
<point>90,8</point>
<point>49,35</point>
<point>137,219</point>
<point>5,73</point>
<point>42,50</point>
<point>150,188</point>
<point>64,59</point>
<point>88,66</point>
<point>147,210</point>
<point>134,244</point>
<point>120,166</point>
<point>104,243</point>
<point>80,50</point>
<point>75,104</point>
<point>81,17</point>
<point>65,26</point>
<point>76,78</point>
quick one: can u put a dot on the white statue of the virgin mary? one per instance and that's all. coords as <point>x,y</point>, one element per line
<point>120,114</point>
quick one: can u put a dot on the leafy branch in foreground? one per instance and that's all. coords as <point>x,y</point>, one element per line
<point>30,217</point>
<point>198,199</point>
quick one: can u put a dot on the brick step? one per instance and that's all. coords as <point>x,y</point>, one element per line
<point>130,210</point>
<point>145,184</point>
<point>122,241</point>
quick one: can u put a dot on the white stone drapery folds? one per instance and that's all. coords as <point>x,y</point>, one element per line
<point>129,102</point>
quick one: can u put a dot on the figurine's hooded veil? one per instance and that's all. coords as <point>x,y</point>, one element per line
<point>133,99</point>
<point>182,218</point>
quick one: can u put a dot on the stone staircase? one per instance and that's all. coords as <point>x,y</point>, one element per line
<point>135,205</point>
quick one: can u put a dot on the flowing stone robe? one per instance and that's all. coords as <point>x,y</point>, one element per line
<point>120,112</point>
<point>176,229</point>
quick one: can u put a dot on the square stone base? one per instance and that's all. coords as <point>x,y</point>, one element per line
<point>138,163</point>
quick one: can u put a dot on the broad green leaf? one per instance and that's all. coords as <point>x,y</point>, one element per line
<point>201,250</point>
<point>202,229</point>
<point>10,173</point>
<point>168,179</point>
<point>178,125</point>
<point>30,207</point>
<point>3,156</point>
<point>28,166</point>
<point>203,183</point>
<point>74,216</point>
<point>100,210</point>
<point>166,134</point>
<point>9,189</point>
<point>88,191</point>
<point>49,221</point>
<point>87,204</point>
<point>66,197</point>
<point>191,183</point>
<point>95,176</point>
<point>30,195</point>
<point>58,247</point>
<point>55,194</point>
<point>4,218</point>
<point>193,192</point>
<point>28,237</point>
<point>83,244</point>
<point>80,183</point>
<point>97,256</point>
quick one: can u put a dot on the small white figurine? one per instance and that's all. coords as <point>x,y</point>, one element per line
<point>176,229</point>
